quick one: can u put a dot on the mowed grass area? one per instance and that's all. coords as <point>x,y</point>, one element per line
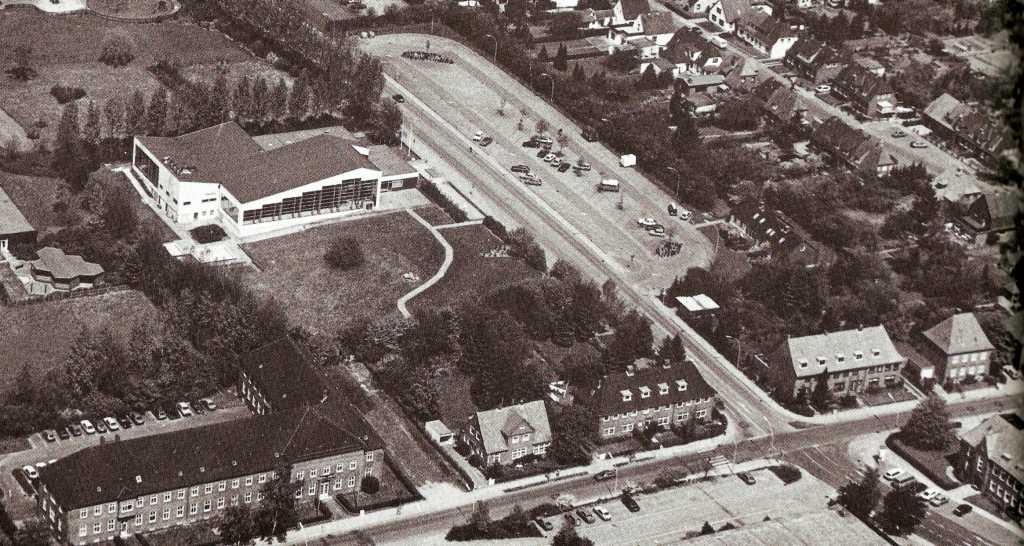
<point>35,197</point>
<point>472,275</point>
<point>41,335</point>
<point>322,299</point>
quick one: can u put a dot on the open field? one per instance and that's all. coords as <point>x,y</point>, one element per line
<point>472,275</point>
<point>323,300</point>
<point>40,335</point>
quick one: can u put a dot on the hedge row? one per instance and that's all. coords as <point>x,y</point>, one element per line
<point>430,190</point>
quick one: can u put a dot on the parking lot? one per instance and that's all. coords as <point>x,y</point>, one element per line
<point>21,505</point>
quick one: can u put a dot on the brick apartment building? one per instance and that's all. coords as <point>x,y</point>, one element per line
<point>958,348</point>
<point>154,482</point>
<point>850,360</point>
<point>991,456</point>
<point>278,376</point>
<point>503,435</point>
<point>651,393</point>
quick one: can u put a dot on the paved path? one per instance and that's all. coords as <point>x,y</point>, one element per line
<point>449,255</point>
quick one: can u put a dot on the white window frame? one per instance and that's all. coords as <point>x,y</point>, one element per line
<point>179,512</point>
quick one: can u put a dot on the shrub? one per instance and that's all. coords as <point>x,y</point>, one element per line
<point>370,485</point>
<point>208,234</point>
<point>118,48</point>
<point>344,253</point>
<point>787,473</point>
<point>65,94</point>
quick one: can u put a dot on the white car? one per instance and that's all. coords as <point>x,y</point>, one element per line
<point>602,513</point>
<point>928,494</point>
<point>184,409</point>
<point>87,426</point>
<point>477,136</point>
<point>892,474</point>
<point>30,471</point>
<point>542,139</point>
<point>111,423</point>
<point>550,157</point>
<point>646,221</point>
<point>684,214</point>
<point>938,500</point>
<point>823,89</point>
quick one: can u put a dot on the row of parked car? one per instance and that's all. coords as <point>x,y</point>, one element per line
<point>582,515</point>
<point>899,479</point>
<point>128,420</point>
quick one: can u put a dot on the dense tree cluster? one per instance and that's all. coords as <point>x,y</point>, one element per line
<point>929,426</point>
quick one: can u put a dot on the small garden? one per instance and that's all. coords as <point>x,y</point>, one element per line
<point>391,489</point>
<point>517,524</point>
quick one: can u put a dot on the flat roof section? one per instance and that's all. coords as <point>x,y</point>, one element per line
<point>11,219</point>
<point>390,161</point>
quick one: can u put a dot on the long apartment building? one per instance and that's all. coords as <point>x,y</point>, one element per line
<point>278,376</point>
<point>145,484</point>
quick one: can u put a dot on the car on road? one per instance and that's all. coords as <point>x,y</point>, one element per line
<point>184,409</point>
<point>486,141</point>
<point>161,414</point>
<point>520,169</point>
<point>573,520</point>
<point>87,427</point>
<point>928,494</point>
<point>938,500</point>
<point>111,423</point>
<point>646,221</point>
<point>962,510</point>
<point>918,144</point>
<point>76,429</point>
<point>101,426</point>
<point>916,487</point>
<point>30,471</point>
<point>586,516</point>
<point>544,524</point>
<point>398,98</point>
<point>564,167</point>
<point>50,435</point>
<point>543,140</point>
<point>602,513</point>
<point>747,478</point>
<point>138,418</point>
<point>582,165</point>
<point>630,503</point>
<point>64,434</point>
<point>604,475</point>
<point>478,136</point>
<point>899,133</point>
<point>823,89</point>
<point>892,474</point>
<point>542,153</point>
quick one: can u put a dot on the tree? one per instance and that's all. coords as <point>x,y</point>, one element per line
<point>220,99</point>
<point>578,74</point>
<point>567,536</point>
<point>387,119</point>
<point>118,214</point>
<point>23,63</point>
<point>156,114</point>
<point>574,430</point>
<point>562,139</point>
<point>632,339</point>
<point>370,485</point>
<point>561,61</point>
<point>707,529</point>
<point>68,131</point>
<point>541,126</point>
<point>241,100</point>
<point>298,99</point>
<point>648,79</point>
<point>260,98</point>
<point>279,99</point>
<point>118,48</point>
<point>91,132</point>
<point>542,55</point>
<point>902,511</point>
<point>238,526</point>
<point>686,138</point>
<point>936,48</point>
<point>276,513</point>
<point>34,532</point>
<point>480,519</point>
<point>928,427</point>
<point>344,253</point>
<point>113,111</point>
<point>622,60</point>
<point>821,396</point>
<point>522,245</point>
<point>565,24</point>
<point>672,349</point>
<point>861,497</point>
<point>135,114</point>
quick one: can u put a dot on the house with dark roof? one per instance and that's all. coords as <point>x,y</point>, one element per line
<point>127,487</point>
<point>868,93</point>
<point>279,376</point>
<point>850,361</point>
<point>505,435</point>
<point>776,236</point>
<point>221,175</point>
<point>726,13</point>
<point>64,271</point>
<point>971,128</point>
<point>691,54</point>
<point>991,457</point>
<point>987,212</point>
<point>14,228</point>
<point>814,60</point>
<point>779,102</point>
<point>651,394</point>
<point>766,34</point>
<point>655,26</point>
<point>958,347</point>
<point>861,152</point>
<point>625,12</point>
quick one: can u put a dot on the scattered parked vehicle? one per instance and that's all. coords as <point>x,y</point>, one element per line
<point>549,157</point>
<point>184,408</point>
<point>542,153</point>
<point>962,510</point>
<point>938,500</point>
<point>486,141</point>
<point>918,144</point>
<point>87,427</point>
<point>823,89</point>
<point>900,133</point>
<point>902,481</point>
<point>684,214</point>
<point>477,136</point>
<point>892,473</point>
<point>101,426</point>
<point>630,503</point>
<point>1011,372</point>
<point>208,404</point>
<point>656,231</point>
<point>646,222</point>
<point>582,165</point>
<point>604,475</point>
<point>602,513</point>
<point>590,134</point>
<point>672,209</point>
<point>30,471</point>
<point>111,423</point>
<point>76,429</point>
<point>564,167</point>
<point>138,418</point>
<point>531,144</point>
<point>747,478</point>
<point>608,184</point>
<point>520,169</point>
<point>586,516</point>
<point>544,524</point>
<point>915,487</point>
<point>398,98</point>
<point>543,140</point>
<point>161,414</point>
<point>533,181</point>
<point>50,435</point>
<point>198,408</point>
<point>572,519</point>
<point>126,421</point>
<point>64,434</point>
<point>928,494</point>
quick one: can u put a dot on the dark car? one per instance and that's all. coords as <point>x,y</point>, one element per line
<point>50,435</point>
<point>138,418</point>
<point>747,478</point>
<point>630,503</point>
<point>520,169</point>
<point>531,144</point>
<point>100,425</point>
<point>64,433</point>
<point>573,520</point>
<point>161,414</point>
<point>604,475</point>
<point>962,510</point>
<point>198,408</point>
<point>486,141</point>
<point>917,487</point>
<point>544,524</point>
<point>542,152</point>
<point>76,429</point>
<point>398,98</point>
<point>125,421</point>
<point>172,412</point>
<point>586,515</point>
<point>564,167</point>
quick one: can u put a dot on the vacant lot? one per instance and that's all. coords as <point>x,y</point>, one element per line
<point>40,335</point>
<point>471,274</point>
<point>322,299</point>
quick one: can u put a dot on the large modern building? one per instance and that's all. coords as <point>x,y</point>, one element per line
<point>851,361</point>
<point>990,457</point>
<point>145,484</point>
<point>221,175</point>
<point>278,376</point>
<point>651,393</point>
<point>504,435</point>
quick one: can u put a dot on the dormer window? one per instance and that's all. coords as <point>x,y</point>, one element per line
<point>662,388</point>
<point>680,385</point>
<point>875,352</point>
<point>821,360</point>
<point>645,392</point>
<point>803,362</point>
<point>857,355</point>
<point>626,395</point>
<point>840,357</point>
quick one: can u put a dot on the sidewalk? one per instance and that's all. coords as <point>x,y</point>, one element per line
<point>1012,387</point>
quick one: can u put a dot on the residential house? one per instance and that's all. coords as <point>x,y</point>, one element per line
<point>64,271</point>
<point>869,94</point>
<point>978,132</point>
<point>649,394</point>
<point>691,54</point>
<point>140,485</point>
<point>694,83</point>
<point>726,13</point>
<point>861,152</point>
<point>14,228</point>
<point>988,212</point>
<point>776,236</point>
<point>701,104</point>
<point>779,102</point>
<point>505,435</point>
<point>766,34</point>
<point>851,361</point>
<point>958,347</point>
<point>279,376</point>
<point>740,73</point>
<point>655,26</point>
<point>871,65</point>
<point>814,60</point>
<point>990,458</point>
<point>625,12</point>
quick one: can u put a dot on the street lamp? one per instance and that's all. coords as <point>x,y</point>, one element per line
<point>771,431</point>
<point>491,36</point>
<point>552,78</point>
<point>676,171</point>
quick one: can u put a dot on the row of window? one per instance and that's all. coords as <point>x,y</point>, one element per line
<point>662,421</point>
<point>179,512</point>
<point>130,505</point>
<point>326,470</point>
<point>649,410</point>
<point>967,370</point>
<point>973,357</point>
<point>518,453</point>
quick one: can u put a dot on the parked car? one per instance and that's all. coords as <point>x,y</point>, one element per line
<point>630,503</point>
<point>684,214</point>
<point>586,516</point>
<point>101,426</point>
<point>542,153</point>
<point>938,500</point>
<point>564,167</point>
<point>208,404</point>
<point>138,418</point>
<point>398,98</point>
<point>556,162</point>
<point>64,433</point>
<point>126,421</point>
<point>543,139</point>
<point>160,414</point>
<point>900,133</point>
<point>111,423</point>
<point>962,510</point>
<point>747,478</point>
<point>646,221</point>
<point>30,471</point>
<point>602,513</point>
<point>87,427</point>
<point>918,144</point>
<point>184,409</point>
<point>582,165</point>
<point>197,407</point>
<point>915,487</point>
<point>486,141</point>
<point>823,89</point>
<point>532,181</point>
<point>531,144</point>
<point>477,136</point>
<point>520,169</point>
<point>549,157</point>
<point>656,230</point>
<point>604,475</point>
<point>1011,372</point>
<point>76,429</point>
<point>573,520</point>
<point>892,473</point>
<point>928,494</point>
<point>903,481</point>
<point>544,524</point>
<point>50,435</point>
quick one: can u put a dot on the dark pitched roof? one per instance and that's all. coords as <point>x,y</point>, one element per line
<point>162,462</point>
<point>608,393</point>
<point>733,10</point>
<point>786,239</point>
<point>657,22</point>
<point>982,129</point>
<point>765,28</point>
<point>226,155</point>
<point>631,9</point>
<point>959,333</point>
<point>854,146</point>
<point>282,372</point>
<point>687,47</point>
<point>857,82</point>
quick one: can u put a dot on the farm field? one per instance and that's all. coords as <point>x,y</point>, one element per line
<point>323,300</point>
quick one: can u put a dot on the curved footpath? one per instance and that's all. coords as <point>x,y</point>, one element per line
<point>449,255</point>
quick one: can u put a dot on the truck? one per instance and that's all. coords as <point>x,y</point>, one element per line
<point>627,160</point>
<point>718,41</point>
<point>608,184</point>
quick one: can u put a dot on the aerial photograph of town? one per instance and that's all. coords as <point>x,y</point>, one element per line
<point>511,272</point>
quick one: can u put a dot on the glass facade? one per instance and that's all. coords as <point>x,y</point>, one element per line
<point>146,166</point>
<point>350,194</point>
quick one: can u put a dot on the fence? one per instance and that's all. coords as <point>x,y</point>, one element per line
<point>82,293</point>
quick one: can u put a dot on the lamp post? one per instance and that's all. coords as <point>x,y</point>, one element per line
<point>771,431</point>
<point>676,171</point>
<point>491,36</point>
<point>552,78</point>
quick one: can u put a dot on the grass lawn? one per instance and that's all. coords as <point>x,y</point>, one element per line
<point>434,215</point>
<point>35,197</point>
<point>392,491</point>
<point>40,335</point>
<point>472,275</point>
<point>887,396</point>
<point>456,406</point>
<point>323,300</point>
<point>133,9</point>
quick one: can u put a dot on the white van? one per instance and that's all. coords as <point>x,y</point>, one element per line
<point>718,41</point>
<point>608,184</point>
